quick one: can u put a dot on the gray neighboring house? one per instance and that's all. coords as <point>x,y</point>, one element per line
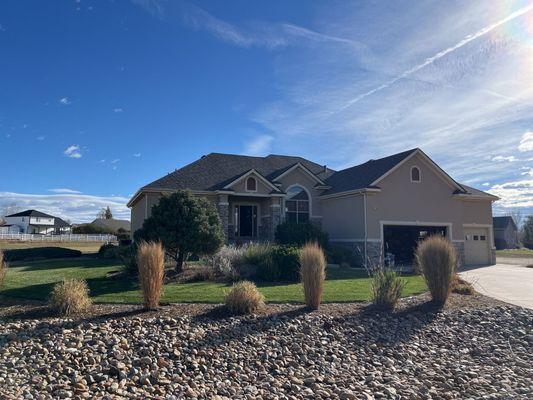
<point>505,233</point>
<point>383,206</point>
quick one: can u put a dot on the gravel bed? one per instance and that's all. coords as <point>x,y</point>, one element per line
<point>473,348</point>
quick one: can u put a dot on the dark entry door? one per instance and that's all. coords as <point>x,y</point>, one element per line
<point>247,215</point>
<point>402,240</point>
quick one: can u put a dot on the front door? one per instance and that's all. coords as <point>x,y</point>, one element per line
<point>247,220</point>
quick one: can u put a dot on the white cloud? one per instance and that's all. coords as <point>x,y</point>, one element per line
<point>483,31</point>
<point>73,151</point>
<point>76,207</point>
<point>259,146</point>
<point>40,138</point>
<point>485,184</point>
<point>503,158</point>
<point>64,191</point>
<point>517,194</point>
<point>116,160</point>
<point>258,34</point>
<point>136,154</point>
<point>526,143</point>
<point>65,101</point>
<point>118,110</point>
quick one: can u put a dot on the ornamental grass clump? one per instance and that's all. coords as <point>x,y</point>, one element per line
<point>387,288</point>
<point>151,262</point>
<point>244,298</point>
<point>313,273</point>
<point>70,297</point>
<point>437,261</point>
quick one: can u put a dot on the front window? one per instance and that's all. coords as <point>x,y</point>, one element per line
<point>251,184</point>
<point>297,205</point>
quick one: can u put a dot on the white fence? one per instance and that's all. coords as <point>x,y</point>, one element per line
<point>57,238</point>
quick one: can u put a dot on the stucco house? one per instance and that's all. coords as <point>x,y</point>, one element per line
<point>36,222</point>
<point>505,233</point>
<point>383,206</point>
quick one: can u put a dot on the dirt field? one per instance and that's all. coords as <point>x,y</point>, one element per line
<point>84,247</point>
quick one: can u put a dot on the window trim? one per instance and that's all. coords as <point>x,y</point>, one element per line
<point>309,202</point>
<point>246,184</point>
<point>419,174</point>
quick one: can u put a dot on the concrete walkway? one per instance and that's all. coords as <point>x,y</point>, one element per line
<point>507,282</point>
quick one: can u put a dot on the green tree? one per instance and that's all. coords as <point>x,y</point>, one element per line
<point>185,225</point>
<point>108,214</point>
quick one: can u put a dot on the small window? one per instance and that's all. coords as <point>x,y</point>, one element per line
<point>482,237</point>
<point>476,237</point>
<point>251,184</point>
<point>415,174</point>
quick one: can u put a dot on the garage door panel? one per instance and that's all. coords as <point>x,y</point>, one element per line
<point>477,246</point>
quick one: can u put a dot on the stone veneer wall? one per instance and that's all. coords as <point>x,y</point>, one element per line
<point>223,214</point>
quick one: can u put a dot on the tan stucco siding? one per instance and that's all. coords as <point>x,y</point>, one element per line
<point>262,188</point>
<point>477,212</point>
<point>299,177</point>
<point>429,201</point>
<point>138,211</point>
<point>343,218</point>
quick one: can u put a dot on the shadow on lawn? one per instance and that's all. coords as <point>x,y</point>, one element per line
<point>79,262</point>
<point>97,286</point>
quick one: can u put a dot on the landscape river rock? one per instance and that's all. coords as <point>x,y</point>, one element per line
<point>352,353</point>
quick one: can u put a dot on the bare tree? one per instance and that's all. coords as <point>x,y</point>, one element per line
<point>8,209</point>
<point>517,217</point>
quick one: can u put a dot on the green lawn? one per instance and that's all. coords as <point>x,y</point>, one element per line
<point>34,280</point>
<point>515,253</point>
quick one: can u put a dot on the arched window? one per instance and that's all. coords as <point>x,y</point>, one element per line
<point>297,205</point>
<point>251,184</point>
<point>415,174</point>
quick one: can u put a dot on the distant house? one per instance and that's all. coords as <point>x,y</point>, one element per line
<point>505,233</point>
<point>112,225</point>
<point>33,221</point>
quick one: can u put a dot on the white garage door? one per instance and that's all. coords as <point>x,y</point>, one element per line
<point>477,246</point>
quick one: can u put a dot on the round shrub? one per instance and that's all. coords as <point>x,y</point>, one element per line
<point>70,297</point>
<point>244,298</point>
<point>298,234</point>
<point>108,251</point>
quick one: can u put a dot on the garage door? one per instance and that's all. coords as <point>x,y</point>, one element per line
<point>477,246</point>
<point>402,240</point>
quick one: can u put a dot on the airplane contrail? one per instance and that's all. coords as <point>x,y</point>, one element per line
<point>441,54</point>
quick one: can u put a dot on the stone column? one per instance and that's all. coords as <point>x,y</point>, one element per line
<point>223,212</point>
<point>275,215</point>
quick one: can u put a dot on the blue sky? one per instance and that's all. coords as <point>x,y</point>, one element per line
<point>98,98</point>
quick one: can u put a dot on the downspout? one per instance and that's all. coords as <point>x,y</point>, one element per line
<point>366,233</point>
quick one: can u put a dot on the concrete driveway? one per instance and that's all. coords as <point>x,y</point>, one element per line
<point>512,283</point>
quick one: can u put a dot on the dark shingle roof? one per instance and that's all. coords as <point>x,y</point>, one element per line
<point>475,192</point>
<point>59,223</point>
<point>361,176</point>
<point>216,170</point>
<point>31,213</point>
<point>502,222</point>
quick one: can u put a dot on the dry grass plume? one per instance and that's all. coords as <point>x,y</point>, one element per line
<point>313,273</point>
<point>151,262</point>
<point>437,260</point>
